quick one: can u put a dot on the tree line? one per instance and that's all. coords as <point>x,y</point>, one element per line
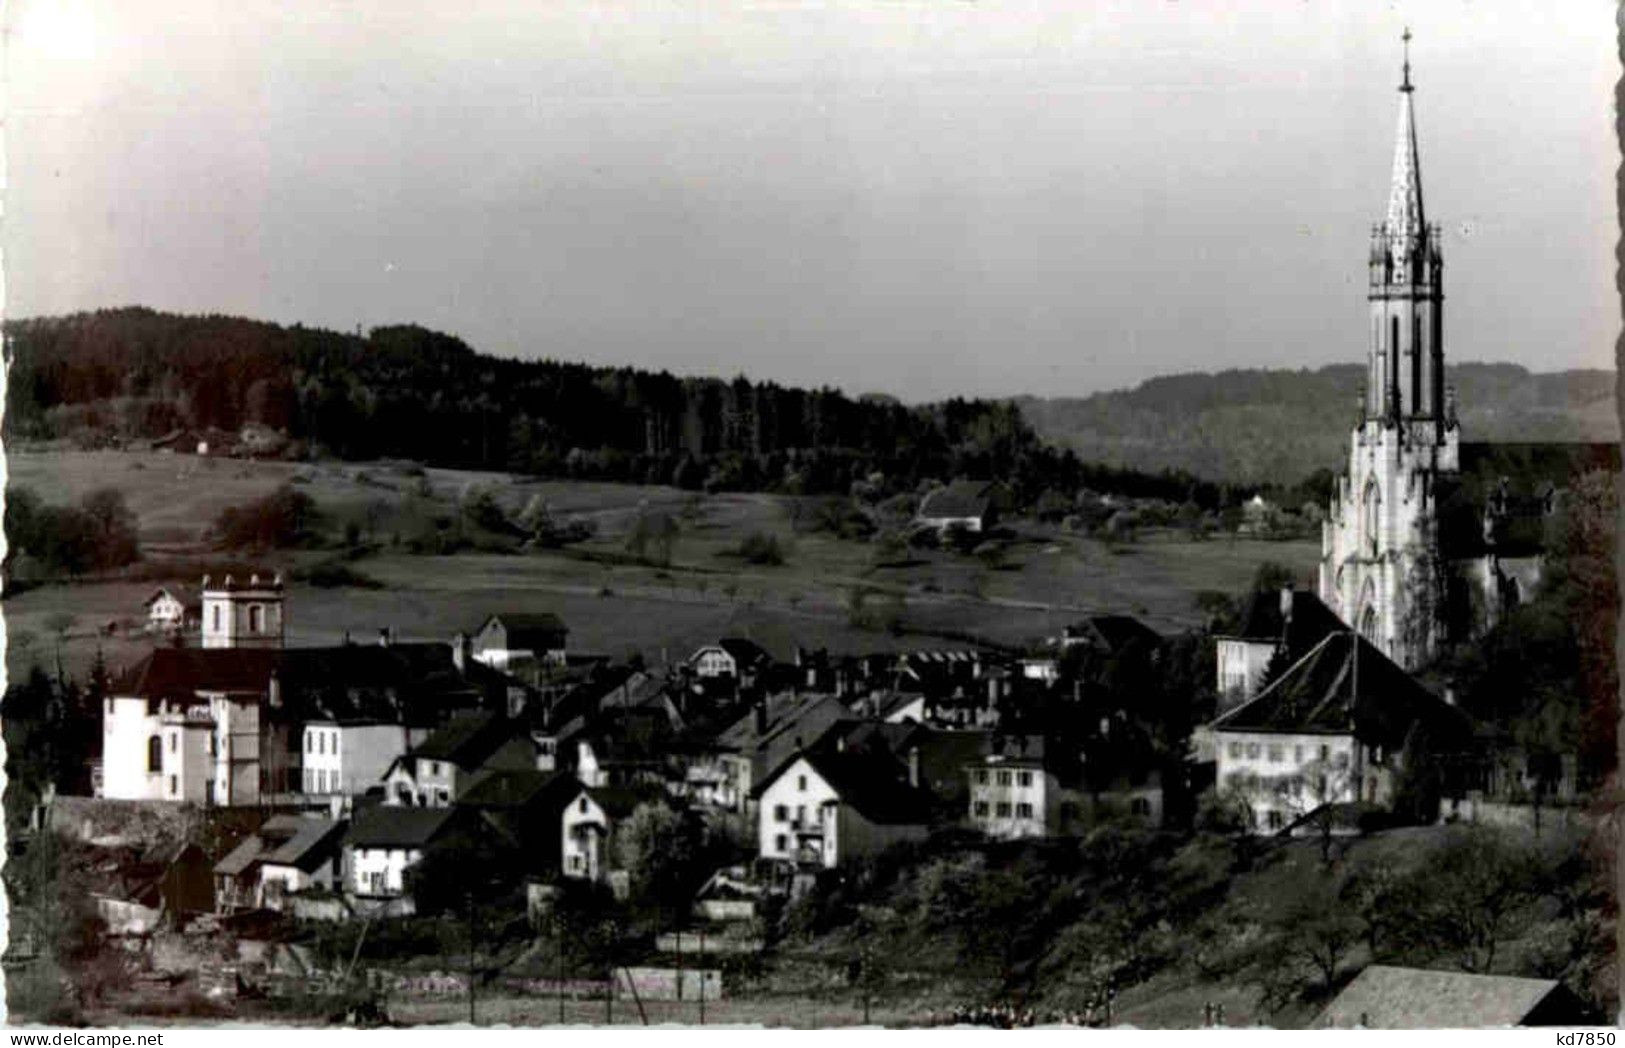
<point>131,374</point>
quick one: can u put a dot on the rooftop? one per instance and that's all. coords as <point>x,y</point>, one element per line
<point>1388,997</point>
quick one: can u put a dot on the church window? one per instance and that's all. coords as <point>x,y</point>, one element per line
<point>1373,518</point>
<point>155,754</point>
<point>217,618</point>
<point>256,618</point>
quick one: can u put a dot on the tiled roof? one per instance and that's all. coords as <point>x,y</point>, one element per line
<point>962,498</point>
<point>1346,685</point>
<point>874,787</point>
<point>1312,621</point>
<point>513,789</point>
<point>1115,632</point>
<point>529,631</point>
<point>1389,997</point>
<point>180,672</point>
<point>311,842</point>
<point>384,826</point>
<point>744,651</point>
<point>467,740</point>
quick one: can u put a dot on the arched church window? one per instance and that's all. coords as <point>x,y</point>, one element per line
<point>155,753</point>
<point>1373,518</point>
<point>1368,624</point>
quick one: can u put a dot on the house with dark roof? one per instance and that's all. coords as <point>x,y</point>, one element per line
<point>1335,728</point>
<point>512,640</point>
<point>743,660</point>
<point>588,826</point>
<point>833,803</point>
<point>438,771</point>
<point>970,504</point>
<point>1109,634</point>
<point>524,806</point>
<point>383,843</point>
<point>171,609</point>
<point>288,854</point>
<point>1387,997</point>
<point>1288,620</point>
<point>758,744</point>
<point>137,891</point>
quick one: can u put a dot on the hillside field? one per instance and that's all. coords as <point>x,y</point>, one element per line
<point>612,604</point>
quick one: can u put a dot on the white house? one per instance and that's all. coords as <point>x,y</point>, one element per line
<point>286,855</point>
<point>350,757</point>
<point>438,771</point>
<point>733,657</point>
<point>168,610</point>
<point>1332,729</point>
<point>829,806</point>
<point>511,640</point>
<point>969,504</point>
<point>1011,793</point>
<point>1290,619</point>
<point>588,827</point>
<point>383,843</point>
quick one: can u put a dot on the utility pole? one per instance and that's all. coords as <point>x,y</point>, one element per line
<point>702,975</point>
<point>471,1019</point>
<point>558,957</point>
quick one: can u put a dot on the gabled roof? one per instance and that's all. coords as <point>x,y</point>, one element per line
<point>1389,997</point>
<point>514,789</point>
<point>309,843</point>
<point>1345,685</point>
<point>875,788</point>
<point>1114,632</point>
<point>173,592</point>
<point>182,672</point>
<point>532,631</point>
<point>962,498</point>
<point>384,826</point>
<point>467,740</point>
<point>1311,620</point>
<point>617,802</point>
<point>747,653</point>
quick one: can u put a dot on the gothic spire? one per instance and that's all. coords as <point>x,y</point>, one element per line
<point>1405,197</point>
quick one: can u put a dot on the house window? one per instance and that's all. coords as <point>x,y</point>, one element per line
<point>375,881</point>
<point>1024,811</point>
<point>781,813</point>
<point>174,741</point>
<point>1004,778</point>
<point>779,843</point>
<point>981,778</point>
<point>1024,778</point>
<point>1003,809</point>
<point>1235,751</point>
<point>310,743</point>
<point>1275,754</point>
<point>174,786</point>
<point>334,741</point>
<point>155,754</point>
<point>434,768</point>
<point>582,807</point>
<point>1275,820</point>
<point>1252,751</point>
<point>443,795</point>
<point>801,814</point>
<point>1297,754</point>
<point>1139,806</point>
<point>801,783</point>
<point>1325,752</point>
<point>981,809</point>
<point>321,743</point>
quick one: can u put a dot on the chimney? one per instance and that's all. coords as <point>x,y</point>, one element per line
<point>914,766</point>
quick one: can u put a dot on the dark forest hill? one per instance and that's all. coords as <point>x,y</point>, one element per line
<point>1255,426</point>
<point>133,375</point>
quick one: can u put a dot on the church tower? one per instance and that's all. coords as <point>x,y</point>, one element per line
<point>1380,566</point>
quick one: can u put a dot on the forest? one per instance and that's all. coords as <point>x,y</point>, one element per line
<point>118,376</point>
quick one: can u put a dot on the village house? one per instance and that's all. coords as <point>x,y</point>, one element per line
<point>758,743</point>
<point>743,660</point>
<point>588,830</point>
<point>1011,792</point>
<point>828,805</point>
<point>138,891</point>
<point>512,641</point>
<point>973,505</point>
<point>288,854</point>
<point>171,610</point>
<point>350,757</point>
<point>526,807</point>
<point>1332,729</point>
<point>383,843</point>
<point>438,771</point>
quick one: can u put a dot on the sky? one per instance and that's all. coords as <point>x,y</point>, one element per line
<point>926,198</point>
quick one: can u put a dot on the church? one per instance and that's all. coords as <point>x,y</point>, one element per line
<point>1428,539</point>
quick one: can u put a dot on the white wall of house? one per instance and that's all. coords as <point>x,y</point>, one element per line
<point>586,828</point>
<point>236,763</point>
<point>242,618</point>
<point>127,725</point>
<point>1241,665</point>
<point>166,612</point>
<point>1284,776</point>
<point>278,881</point>
<point>378,872</point>
<point>352,758</point>
<point>714,662</point>
<point>795,816</point>
<point>1011,799</point>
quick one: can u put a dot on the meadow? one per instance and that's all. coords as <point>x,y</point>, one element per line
<point>613,604</point>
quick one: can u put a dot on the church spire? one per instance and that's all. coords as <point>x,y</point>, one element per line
<point>1405,197</point>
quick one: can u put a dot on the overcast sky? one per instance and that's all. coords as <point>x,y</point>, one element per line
<point>922,198</point>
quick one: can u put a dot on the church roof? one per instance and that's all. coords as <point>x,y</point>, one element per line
<point>1387,997</point>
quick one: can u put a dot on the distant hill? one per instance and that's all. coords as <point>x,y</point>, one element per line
<point>1259,426</point>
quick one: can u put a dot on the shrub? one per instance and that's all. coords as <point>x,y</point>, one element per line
<point>281,519</point>
<point>760,547</point>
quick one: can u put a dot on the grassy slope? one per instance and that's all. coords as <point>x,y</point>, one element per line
<point>612,606</point>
